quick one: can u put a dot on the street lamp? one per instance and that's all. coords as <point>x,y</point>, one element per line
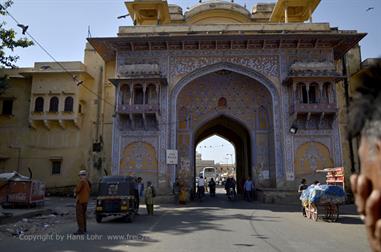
<point>231,155</point>
<point>293,129</point>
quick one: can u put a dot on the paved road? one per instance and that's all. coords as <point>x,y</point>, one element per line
<point>212,225</point>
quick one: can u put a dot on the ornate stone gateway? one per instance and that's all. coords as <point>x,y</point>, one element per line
<point>236,107</point>
<point>221,69</point>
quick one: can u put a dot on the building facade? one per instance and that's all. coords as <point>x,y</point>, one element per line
<point>266,80</point>
<point>52,125</point>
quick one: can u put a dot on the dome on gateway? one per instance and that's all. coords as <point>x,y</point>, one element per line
<point>214,11</point>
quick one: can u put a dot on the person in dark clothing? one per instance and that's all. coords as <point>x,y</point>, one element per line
<point>176,190</point>
<point>212,187</point>
<point>136,194</point>
<point>303,186</point>
<point>227,185</point>
<point>230,184</point>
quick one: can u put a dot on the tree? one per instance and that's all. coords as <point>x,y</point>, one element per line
<point>8,40</point>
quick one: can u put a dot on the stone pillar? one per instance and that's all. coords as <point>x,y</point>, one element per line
<point>157,93</point>
<point>144,93</point>
<point>321,95</point>
<point>132,94</point>
<point>285,13</point>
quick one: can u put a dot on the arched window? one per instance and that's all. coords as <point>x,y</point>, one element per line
<point>312,93</point>
<point>69,104</point>
<point>138,94</point>
<point>125,94</point>
<point>39,104</point>
<point>53,107</point>
<point>151,95</point>
<point>303,95</point>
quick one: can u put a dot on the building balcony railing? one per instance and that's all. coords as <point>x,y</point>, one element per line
<point>47,118</point>
<point>137,108</point>
<point>305,108</point>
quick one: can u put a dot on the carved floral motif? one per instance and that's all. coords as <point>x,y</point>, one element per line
<point>267,65</point>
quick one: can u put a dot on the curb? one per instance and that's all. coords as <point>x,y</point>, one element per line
<point>15,218</point>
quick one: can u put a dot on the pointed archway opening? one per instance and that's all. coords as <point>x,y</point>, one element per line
<point>237,135</point>
<point>215,159</point>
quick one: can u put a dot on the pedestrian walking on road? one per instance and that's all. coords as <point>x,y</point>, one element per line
<point>303,186</point>
<point>248,189</point>
<point>82,192</point>
<point>139,191</point>
<point>212,187</point>
<point>149,194</point>
<point>200,188</point>
<point>176,190</point>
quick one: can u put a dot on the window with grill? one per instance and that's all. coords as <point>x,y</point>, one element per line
<point>56,167</point>
<point>53,104</point>
<point>7,107</point>
<point>39,105</point>
<point>69,104</point>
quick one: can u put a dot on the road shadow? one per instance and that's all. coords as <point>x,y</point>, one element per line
<point>350,220</point>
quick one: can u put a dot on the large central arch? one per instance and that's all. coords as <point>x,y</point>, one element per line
<point>276,143</point>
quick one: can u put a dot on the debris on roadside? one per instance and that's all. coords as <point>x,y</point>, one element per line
<point>44,224</point>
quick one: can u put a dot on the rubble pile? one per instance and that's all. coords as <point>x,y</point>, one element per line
<point>38,225</point>
<point>44,224</point>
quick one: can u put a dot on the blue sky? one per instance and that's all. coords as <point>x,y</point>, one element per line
<point>61,26</point>
<point>218,149</point>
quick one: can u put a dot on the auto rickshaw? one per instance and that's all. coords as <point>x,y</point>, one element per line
<point>117,197</point>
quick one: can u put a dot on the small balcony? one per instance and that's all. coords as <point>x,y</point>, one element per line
<point>138,108</point>
<point>48,119</point>
<point>306,108</point>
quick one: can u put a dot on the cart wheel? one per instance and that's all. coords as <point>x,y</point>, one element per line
<point>308,211</point>
<point>129,218</point>
<point>328,212</point>
<point>314,212</point>
<point>98,218</point>
<point>334,213</point>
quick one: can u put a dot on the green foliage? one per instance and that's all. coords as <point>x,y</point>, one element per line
<point>8,39</point>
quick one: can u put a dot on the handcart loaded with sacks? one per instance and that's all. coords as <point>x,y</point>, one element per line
<point>323,200</point>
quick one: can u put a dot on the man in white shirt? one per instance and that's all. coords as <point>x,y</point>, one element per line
<point>201,187</point>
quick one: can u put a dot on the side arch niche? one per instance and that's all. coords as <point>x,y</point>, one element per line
<point>310,157</point>
<point>139,159</point>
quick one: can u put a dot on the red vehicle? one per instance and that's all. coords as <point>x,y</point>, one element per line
<point>17,190</point>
